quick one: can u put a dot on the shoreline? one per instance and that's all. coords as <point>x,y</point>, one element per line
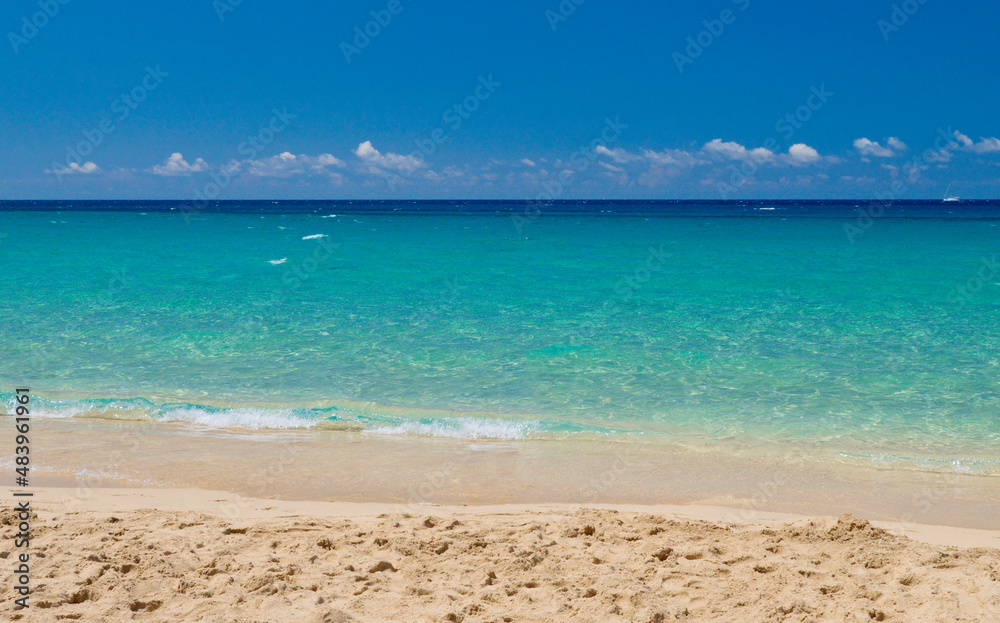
<point>410,471</point>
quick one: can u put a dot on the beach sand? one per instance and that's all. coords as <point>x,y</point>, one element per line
<point>116,554</point>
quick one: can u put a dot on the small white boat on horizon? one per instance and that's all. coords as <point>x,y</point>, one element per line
<point>948,198</point>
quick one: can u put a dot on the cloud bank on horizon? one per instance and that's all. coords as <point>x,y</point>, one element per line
<point>725,166</point>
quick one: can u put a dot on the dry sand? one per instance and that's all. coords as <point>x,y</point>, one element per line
<point>191,555</point>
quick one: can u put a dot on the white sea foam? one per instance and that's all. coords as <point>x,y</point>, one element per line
<point>314,236</point>
<point>461,428</point>
<point>281,261</point>
<point>967,465</point>
<point>249,418</point>
<point>65,411</point>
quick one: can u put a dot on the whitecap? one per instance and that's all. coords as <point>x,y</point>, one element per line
<point>314,236</point>
<point>281,261</point>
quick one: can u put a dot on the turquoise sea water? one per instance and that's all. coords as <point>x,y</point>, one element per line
<point>758,323</point>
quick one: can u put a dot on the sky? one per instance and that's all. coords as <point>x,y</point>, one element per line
<point>389,99</point>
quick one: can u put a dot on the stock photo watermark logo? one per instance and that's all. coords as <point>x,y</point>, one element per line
<point>249,149</point>
<point>793,121</point>
<point>700,42</point>
<point>786,125</point>
<point>119,282</point>
<point>451,120</point>
<point>434,484</point>
<point>867,215</point>
<point>657,258</point>
<point>222,7</point>
<point>445,301</point>
<point>121,107</point>
<point>364,35</point>
<point>304,270</point>
<point>31,26</point>
<point>900,15</point>
<point>626,287</point>
<point>924,501</point>
<point>597,488</point>
<point>986,274</point>
<point>580,160</point>
<point>562,12</point>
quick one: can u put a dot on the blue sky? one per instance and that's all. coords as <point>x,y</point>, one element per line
<point>718,99</point>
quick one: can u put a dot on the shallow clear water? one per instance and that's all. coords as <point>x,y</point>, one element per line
<point>746,325</point>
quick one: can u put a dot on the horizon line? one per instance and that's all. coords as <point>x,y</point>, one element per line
<point>524,201</point>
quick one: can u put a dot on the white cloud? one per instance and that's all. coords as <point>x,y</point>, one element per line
<point>667,157</point>
<point>762,154</point>
<point>176,165</point>
<point>527,163</point>
<point>867,147</point>
<point>287,164</point>
<point>943,156</point>
<point>940,155</point>
<point>896,144</point>
<point>329,160</point>
<point>676,157</point>
<point>366,150</point>
<point>380,161</point>
<point>734,151</point>
<point>618,155</point>
<point>985,145</point>
<point>282,165</point>
<point>669,165</point>
<point>72,168</point>
<point>725,149</point>
<point>800,153</point>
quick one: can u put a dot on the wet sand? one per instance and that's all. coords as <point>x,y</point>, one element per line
<point>409,471</point>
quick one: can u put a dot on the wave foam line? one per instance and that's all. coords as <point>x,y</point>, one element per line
<point>461,428</point>
<point>388,421</point>
<point>248,418</point>
<point>346,416</point>
<point>969,465</point>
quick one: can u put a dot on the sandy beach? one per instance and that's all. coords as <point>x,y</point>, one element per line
<point>500,312</point>
<point>118,554</point>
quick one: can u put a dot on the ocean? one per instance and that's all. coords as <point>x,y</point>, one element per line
<point>853,332</point>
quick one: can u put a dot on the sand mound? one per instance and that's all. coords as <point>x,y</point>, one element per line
<point>523,566</point>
